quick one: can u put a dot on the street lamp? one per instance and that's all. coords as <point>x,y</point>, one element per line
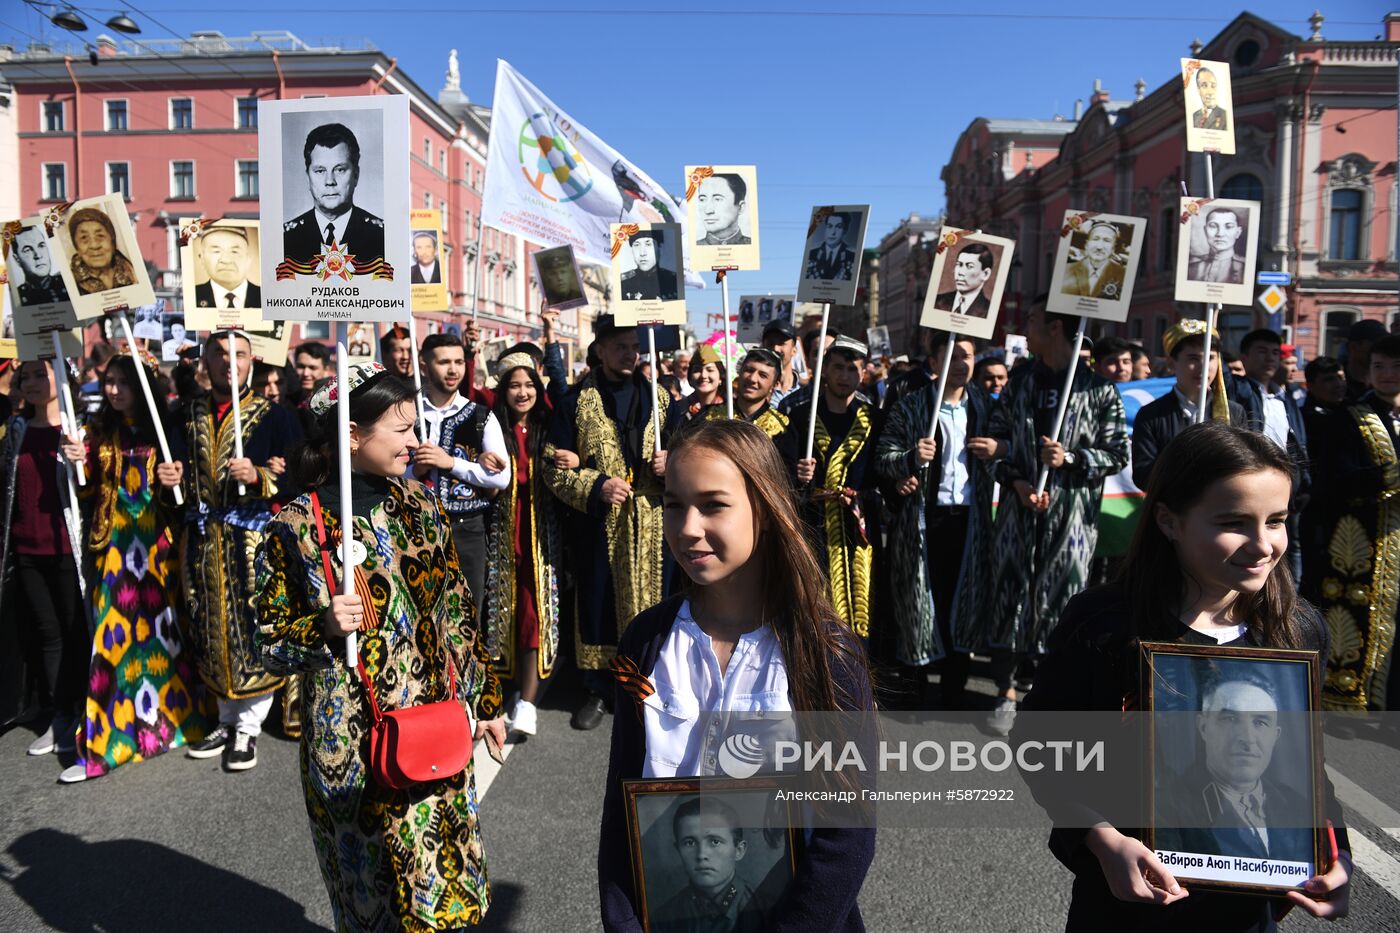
<point>68,18</point>
<point>123,23</point>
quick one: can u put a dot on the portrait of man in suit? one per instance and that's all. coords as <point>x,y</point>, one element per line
<point>1222,227</point>
<point>648,281</point>
<point>426,269</point>
<point>332,163</point>
<point>721,201</point>
<point>1211,116</point>
<point>1098,273</point>
<point>1231,802</point>
<point>226,256</point>
<point>831,260</point>
<point>39,281</point>
<point>971,270</point>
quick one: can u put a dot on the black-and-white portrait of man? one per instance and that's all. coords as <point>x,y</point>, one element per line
<point>32,266</point>
<point>331,154</point>
<point>721,203</point>
<point>1222,262</point>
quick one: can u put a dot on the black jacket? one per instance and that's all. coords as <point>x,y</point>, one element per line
<point>363,237</point>
<point>1244,391</point>
<point>822,896</point>
<point>204,296</point>
<point>1154,427</point>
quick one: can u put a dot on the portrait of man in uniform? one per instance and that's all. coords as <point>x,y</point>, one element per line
<point>709,840</point>
<point>559,278</point>
<point>38,278</point>
<point>1210,116</point>
<point>831,259</point>
<point>971,270</point>
<point>1097,273</point>
<point>332,163</point>
<point>1223,227</point>
<point>721,201</point>
<point>225,255</point>
<point>648,281</point>
<point>426,268</point>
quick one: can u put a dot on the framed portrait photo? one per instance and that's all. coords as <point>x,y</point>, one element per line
<point>967,283</point>
<point>95,248</point>
<point>220,274</point>
<point>721,203</point>
<point>335,235</point>
<point>1210,112</point>
<point>176,336</point>
<point>1096,265</point>
<point>561,284</point>
<point>648,273</point>
<point>426,274</point>
<point>33,280</point>
<point>832,254</point>
<point>878,340</point>
<point>1216,249</point>
<point>271,345</point>
<point>36,346</point>
<point>1235,753</point>
<point>714,850</point>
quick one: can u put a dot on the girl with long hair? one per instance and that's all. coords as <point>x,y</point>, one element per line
<point>753,630</point>
<point>1205,568</point>
<point>43,587</point>
<point>390,859</point>
<point>521,614</point>
<point>143,695</point>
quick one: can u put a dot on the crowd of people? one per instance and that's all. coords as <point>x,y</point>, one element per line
<point>513,527</point>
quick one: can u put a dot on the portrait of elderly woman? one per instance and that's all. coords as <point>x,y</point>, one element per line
<point>97,263</point>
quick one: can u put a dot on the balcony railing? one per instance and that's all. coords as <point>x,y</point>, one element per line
<point>202,43</point>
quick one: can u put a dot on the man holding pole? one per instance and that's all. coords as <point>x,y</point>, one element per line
<point>615,495</point>
<point>223,528</point>
<point>1043,542</point>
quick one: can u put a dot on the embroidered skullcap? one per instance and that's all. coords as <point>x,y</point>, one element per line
<point>512,360</point>
<point>855,348</point>
<point>147,358</point>
<point>325,398</point>
<point>1187,327</point>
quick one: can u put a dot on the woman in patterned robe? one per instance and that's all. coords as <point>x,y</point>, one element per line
<point>144,696</point>
<point>392,860</point>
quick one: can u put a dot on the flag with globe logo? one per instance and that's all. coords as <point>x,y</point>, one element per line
<point>551,181</point>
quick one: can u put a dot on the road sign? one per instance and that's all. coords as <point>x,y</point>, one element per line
<point>1272,299</point>
<point>1274,278</point>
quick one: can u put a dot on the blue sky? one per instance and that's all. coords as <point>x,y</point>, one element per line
<point>833,101</point>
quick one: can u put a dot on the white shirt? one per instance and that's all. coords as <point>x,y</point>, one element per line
<point>954,486</point>
<point>426,272</point>
<point>1275,415</point>
<point>338,223</point>
<point>240,294</point>
<point>493,441</point>
<point>696,707</point>
<point>1249,808</point>
<point>1188,405</point>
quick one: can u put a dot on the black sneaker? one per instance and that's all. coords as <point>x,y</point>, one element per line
<point>589,715</point>
<point>211,745</point>
<point>242,753</point>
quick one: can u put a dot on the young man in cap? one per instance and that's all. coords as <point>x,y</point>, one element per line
<point>782,340</point>
<point>758,372</point>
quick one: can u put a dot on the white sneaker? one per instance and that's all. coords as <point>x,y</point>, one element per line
<point>523,718</point>
<point>73,774</point>
<point>1003,717</point>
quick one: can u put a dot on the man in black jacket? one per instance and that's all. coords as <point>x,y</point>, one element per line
<point>1160,421</point>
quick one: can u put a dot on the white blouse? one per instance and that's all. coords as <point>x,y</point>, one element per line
<point>696,708</point>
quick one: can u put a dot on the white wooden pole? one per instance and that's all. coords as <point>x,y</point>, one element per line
<point>347,507</point>
<point>1064,401</point>
<point>728,352</point>
<point>1201,413</point>
<point>417,379</point>
<point>942,386</point>
<point>156,418</point>
<point>817,382</point>
<point>67,414</point>
<point>655,387</point>
<point>236,385</point>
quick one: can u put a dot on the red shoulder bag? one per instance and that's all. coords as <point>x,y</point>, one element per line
<point>413,745</point>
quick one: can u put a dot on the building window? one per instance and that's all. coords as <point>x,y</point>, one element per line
<point>53,116</point>
<point>247,178</point>
<point>181,113</point>
<point>442,207</point>
<point>428,151</point>
<point>119,179</point>
<point>247,113</point>
<point>1165,259</point>
<point>1335,325</point>
<point>182,181</point>
<point>1244,187</point>
<point>442,161</point>
<point>116,116</point>
<point>1344,237</point>
<point>55,181</point>
<point>427,200</point>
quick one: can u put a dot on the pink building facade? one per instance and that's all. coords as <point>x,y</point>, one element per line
<point>1315,143</point>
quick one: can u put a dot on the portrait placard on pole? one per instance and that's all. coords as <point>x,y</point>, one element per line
<point>647,274</point>
<point>1096,265</point>
<point>561,283</point>
<point>426,275</point>
<point>271,346</point>
<point>756,312</point>
<point>39,346</point>
<point>219,274</point>
<point>878,340</point>
<point>1217,245</point>
<point>33,280</point>
<point>969,275</point>
<point>95,248</point>
<point>334,176</point>
<point>831,257</point>
<point>721,203</point>
<point>1210,112</point>
<point>8,348</point>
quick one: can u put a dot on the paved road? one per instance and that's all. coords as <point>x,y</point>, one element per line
<point>175,844</point>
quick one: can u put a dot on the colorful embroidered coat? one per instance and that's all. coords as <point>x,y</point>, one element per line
<point>767,419</point>
<point>392,860</point>
<point>222,531</point>
<point>917,638</point>
<point>839,530</point>
<point>1040,561</point>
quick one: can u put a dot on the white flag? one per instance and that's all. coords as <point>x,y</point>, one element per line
<point>551,181</point>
